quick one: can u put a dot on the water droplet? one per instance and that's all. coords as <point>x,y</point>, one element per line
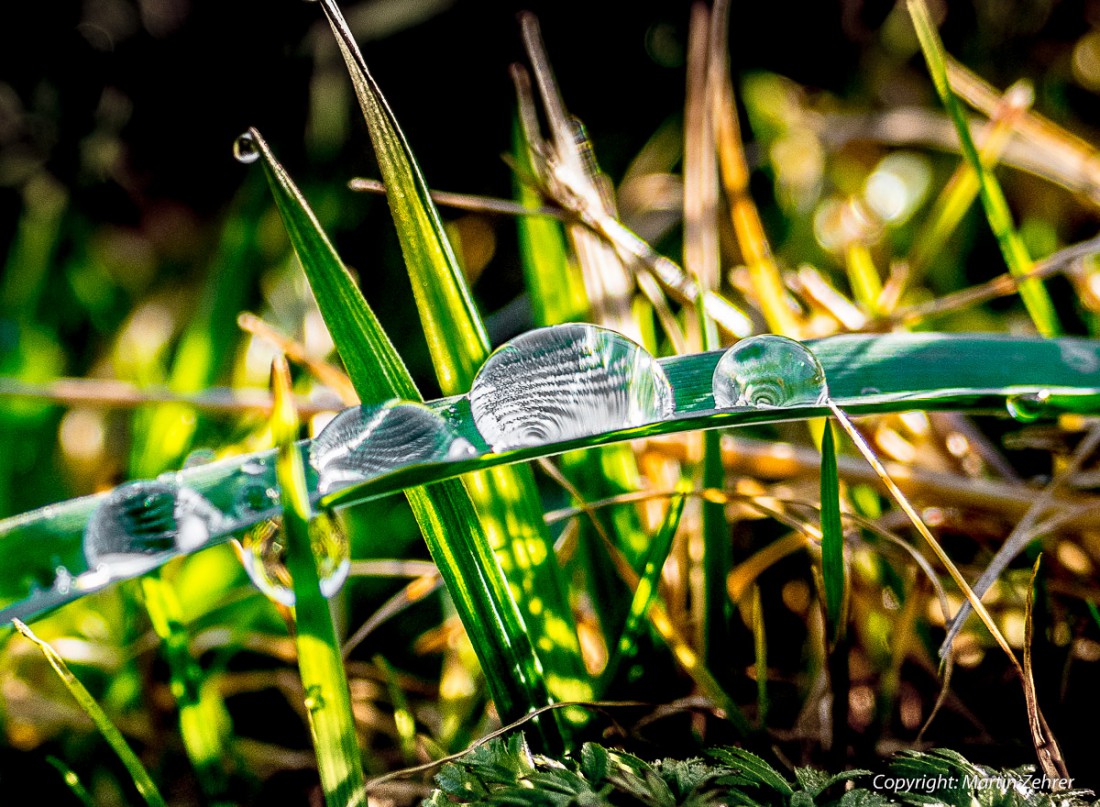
<point>870,391</point>
<point>566,382</point>
<point>63,581</point>
<point>315,699</point>
<point>1029,406</point>
<point>367,441</point>
<point>245,149</point>
<point>200,457</point>
<point>139,522</point>
<point>769,371</point>
<point>263,551</point>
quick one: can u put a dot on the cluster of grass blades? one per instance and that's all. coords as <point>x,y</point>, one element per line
<point>618,401</point>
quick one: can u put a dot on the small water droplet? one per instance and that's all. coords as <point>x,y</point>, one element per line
<point>870,391</point>
<point>315,699</point>
<point>366,441</point>
<point>768,371</point>
<point>199,457</point>
<point>566,382</point>
<point>139,522</point>
<point>63,581</point>
<point>245,149</point>
<point>1029,406</point>
<point>263,551</point>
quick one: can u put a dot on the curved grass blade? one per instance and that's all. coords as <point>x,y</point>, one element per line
<point>506,498</point>
<point>445,513</point>
<point>832,538</point>
<point>1032,292</point>
<point>324,680</point>
<point>867,375</point>
<point>72,781</point>
<point>110,732</point>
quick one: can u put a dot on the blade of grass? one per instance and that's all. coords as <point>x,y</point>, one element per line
<point>327,699</point>
<point>1032,292</point>
<point>963,187</point>
<point>506,498</point>
<point>203,717</point>
<point>1050,756</point>
<point>833,570</point>
<point>1046,747</point>
<point>863,277</point>
<point>72,781</point>
<point>645,591</point>
<point>447,519</point>
<point>402,715</point>
<point>760,658</point>
<point>110,733</point>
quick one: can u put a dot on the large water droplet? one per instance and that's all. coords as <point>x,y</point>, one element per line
<point>769,371</point>
<point>263,551</point>
<point>136,524</point>
<point>245,149</point>
<point>1029,406</point>
<point>566,382</point>
<point>367,441</point>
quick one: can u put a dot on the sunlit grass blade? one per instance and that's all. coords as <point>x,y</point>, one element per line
<point>760,658</point>
<point>72,781</point>
<point>110,732</point>
<point>446,515</point>
<point>324,680</point>
<point>863,276</point>
<point>1032,292</point>
<point>203,718</point>
<point>403,718</point>
<point>832,539</point>
<point>963,187</point>
<point>646,589</point>
<point>1046,746</point>
<point>507,498</point>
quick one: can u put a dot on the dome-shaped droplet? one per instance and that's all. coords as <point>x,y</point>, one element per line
<point>263,551</point>
<point>138,523</point>
<point>768,371</point>
<point>1029,406</point>
<point>566,382</point>
<point>245,149</point>
<point>367,441</point>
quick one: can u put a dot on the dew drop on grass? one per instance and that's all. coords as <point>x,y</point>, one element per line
<point>263,551</point>
<point>367,441</point>
<point>139,522</point>
<point>768,371</point>
<point>1029,406</point>
<point>315,699</point>
<point>566,382</point>
<point>245,149</point>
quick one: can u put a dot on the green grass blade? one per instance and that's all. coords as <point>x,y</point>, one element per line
<point>202,714</point>
<point>324,680</point>
<point>403,717</point>
<point>1032,292</point>
<point>456,338</point>
<point>445,513</point>
<point>110,732</point>
<point>506,498</point>
<point>760,653</point>
<point>832,538</point>
<point>72,781</point>
<point>646,591</point>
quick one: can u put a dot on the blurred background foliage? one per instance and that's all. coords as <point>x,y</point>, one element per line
<point>133,239</point>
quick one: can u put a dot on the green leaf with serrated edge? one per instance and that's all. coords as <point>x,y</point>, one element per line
<point>506,498</point>
<point>832,537</point>
<point>444,512</point>
<point>110,732</point>
<point>327,701</point>
<point>753,766</point>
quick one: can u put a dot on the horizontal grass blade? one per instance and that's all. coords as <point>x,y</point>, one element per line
<point>868,374</point>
